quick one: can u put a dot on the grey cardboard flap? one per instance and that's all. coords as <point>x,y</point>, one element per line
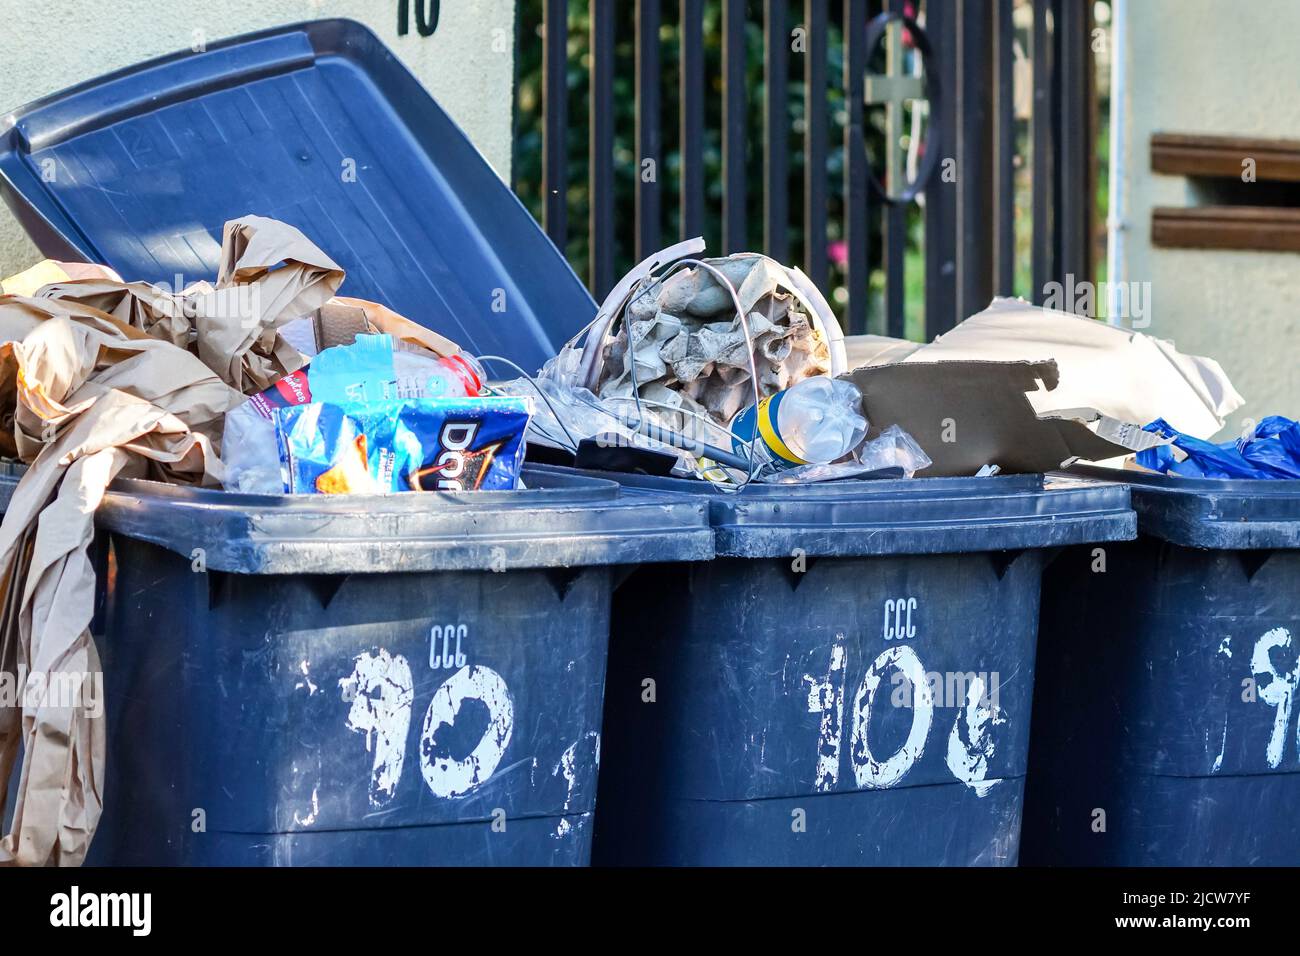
<point>970,414</point>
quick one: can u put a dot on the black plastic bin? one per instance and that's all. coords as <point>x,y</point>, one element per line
<point>407,679</point>
<point>1164,716</point>
<point>751,714</point>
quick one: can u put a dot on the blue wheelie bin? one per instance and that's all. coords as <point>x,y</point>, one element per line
<point>849,681</point>
<point>411,679</point>
<point>315,681</point>
<point>1164,714</point>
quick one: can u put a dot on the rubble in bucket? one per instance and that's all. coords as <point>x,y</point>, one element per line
<point>728,364</point>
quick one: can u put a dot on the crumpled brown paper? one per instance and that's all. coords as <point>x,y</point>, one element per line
<point>93,396</point>
<point>269,274</point>
<point>100,379</point>
<point>49,271</point>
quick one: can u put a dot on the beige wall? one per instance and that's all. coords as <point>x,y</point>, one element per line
<point>1228,68</point>
<point>467,64</point>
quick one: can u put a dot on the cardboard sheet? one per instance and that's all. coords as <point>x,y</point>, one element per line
<point>966,415</point>
<point>1120,373</point>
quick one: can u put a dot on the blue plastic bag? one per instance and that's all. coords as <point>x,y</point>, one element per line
<point>1272,451</point>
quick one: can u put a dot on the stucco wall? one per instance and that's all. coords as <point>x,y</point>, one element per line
<point>1203,66</point>
<point>467,64</point>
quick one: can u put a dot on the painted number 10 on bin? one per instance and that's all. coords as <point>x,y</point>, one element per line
<point>381,692</point>
<point>970,741</point>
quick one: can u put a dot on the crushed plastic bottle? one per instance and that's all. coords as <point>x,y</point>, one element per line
<point>816,421</point>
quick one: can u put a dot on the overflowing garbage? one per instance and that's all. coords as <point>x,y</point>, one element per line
<point>727,364</point>
<point>702,338</point>
<point>732,369</point>
<point>263,437</point>
<point>737,368</point>
<point>102,379</point>
<point>734,366</point>
<point>469,444</point>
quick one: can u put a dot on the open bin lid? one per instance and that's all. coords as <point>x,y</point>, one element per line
<point>904,516</point>
<point>1212,513</point>
<point>558,520</point>
<point>148,163</point>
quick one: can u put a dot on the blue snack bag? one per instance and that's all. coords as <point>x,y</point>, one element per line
<point>439,444</point>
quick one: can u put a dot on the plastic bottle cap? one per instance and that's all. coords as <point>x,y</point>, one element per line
<point>466,372</point>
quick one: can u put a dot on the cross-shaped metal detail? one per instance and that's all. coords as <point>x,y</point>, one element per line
<point>893,90</point>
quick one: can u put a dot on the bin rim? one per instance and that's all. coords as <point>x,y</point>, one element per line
<point>1153,479</point>
<point>1209,513</point>
<point>558,521</point>
<point>904,515</point>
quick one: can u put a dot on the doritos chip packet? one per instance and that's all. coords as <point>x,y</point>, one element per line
<point>440,444</point>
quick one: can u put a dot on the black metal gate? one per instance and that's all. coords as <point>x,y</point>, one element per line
<point>792,128</point>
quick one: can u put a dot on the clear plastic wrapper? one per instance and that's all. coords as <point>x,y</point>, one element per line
<point>892,448</point>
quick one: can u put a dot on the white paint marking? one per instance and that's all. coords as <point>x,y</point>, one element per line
<point>1223,745</point>
<point>867,770</point>
<point>383,694</point>
<point>311,817</point>
<point>969,754</point>
<point>568,766</point>
<point>1280,691</point>
<point>306,673</point>
<point>445,776</point>
<point>826,697</point>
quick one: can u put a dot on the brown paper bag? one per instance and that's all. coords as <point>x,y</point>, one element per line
<point>49,271</point>
<point>402,329</point>
<point>94,398</point>
<point>100,378</point>
<point>270,274</point>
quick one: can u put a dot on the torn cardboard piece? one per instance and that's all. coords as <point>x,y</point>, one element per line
<point>969,414</point>
<point>1122,374</point>
<point>863,350</point>
<point>380,318</point>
